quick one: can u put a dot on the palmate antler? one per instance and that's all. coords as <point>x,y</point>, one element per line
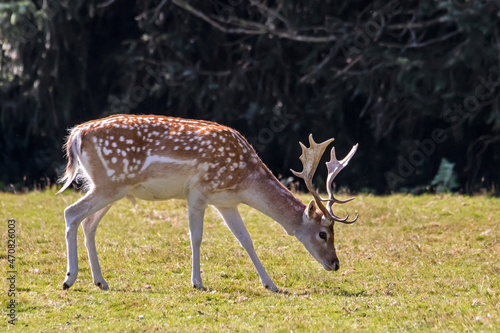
<point>310,158</point>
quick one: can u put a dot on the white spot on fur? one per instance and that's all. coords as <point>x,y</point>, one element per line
<point>125,165</point>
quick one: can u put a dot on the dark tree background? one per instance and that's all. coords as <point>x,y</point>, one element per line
<point>416,83</point>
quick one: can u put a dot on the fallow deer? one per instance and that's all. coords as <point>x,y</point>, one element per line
<point>159,158</point>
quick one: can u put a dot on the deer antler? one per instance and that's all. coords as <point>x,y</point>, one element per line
<point>334,167</point>
<point>310,158</point>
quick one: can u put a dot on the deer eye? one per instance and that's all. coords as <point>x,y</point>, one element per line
<point>322,235</point>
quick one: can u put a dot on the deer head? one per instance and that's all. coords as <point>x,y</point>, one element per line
<point>317,235</point>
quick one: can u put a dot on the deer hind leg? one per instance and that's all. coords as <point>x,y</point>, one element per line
<point>196,212</point>
<point>74,215</point>
<point>237,227</point>
<point>89,226</point>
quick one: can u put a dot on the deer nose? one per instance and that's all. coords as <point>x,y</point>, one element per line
<point>335,264</point>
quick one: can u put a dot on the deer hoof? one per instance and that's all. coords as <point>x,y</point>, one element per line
<point>199,287</point>
<point>273,288</point>
<point>102,285</point>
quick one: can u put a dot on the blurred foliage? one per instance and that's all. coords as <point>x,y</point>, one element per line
<point>384,74</point>
<point>445,179</point>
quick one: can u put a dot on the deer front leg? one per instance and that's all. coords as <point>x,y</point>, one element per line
<point>237,227</point>
<point>196,212</point>
<point>89,226</point>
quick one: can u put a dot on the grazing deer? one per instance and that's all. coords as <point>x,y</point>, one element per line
<point>159,158</point>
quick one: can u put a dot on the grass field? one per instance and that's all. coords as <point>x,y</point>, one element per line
<point>426,263</point>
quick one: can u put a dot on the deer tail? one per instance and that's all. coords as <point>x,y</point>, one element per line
<point>73,148</point>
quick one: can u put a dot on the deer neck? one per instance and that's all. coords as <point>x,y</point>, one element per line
<point>266,194</point>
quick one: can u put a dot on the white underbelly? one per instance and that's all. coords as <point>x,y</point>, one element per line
<point>161,189</point>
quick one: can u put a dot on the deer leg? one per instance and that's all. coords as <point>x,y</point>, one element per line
<point>89,226</point>
<point>237,227</point>
<point>196,212</point>
<point>74,215</point>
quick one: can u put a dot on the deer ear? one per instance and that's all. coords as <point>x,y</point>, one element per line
<point>311,211</point>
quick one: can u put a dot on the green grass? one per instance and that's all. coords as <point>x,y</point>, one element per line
<point>427,263</point>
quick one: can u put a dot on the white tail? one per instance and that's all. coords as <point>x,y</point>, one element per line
<point>159,158</point>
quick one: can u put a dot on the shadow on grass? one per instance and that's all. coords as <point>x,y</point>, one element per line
<point>250,292</point>
<point>338,291</point>
<point>335,291</point>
